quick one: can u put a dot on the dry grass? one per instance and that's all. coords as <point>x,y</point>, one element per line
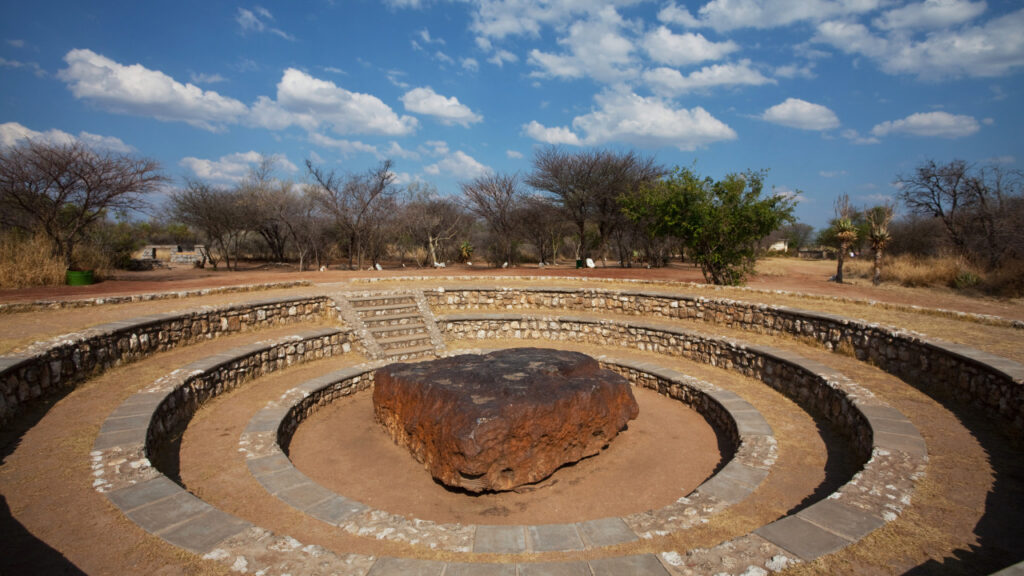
<point>28,262</point>
<point>945,271</point>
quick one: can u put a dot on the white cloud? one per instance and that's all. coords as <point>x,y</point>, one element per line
<point>257,20</point>
<point>446,110</point>
<point>831,173</point>
<point>555,135</point>
<point>855,137</point>
<point>435,147</point>
<point>498,19</point>
<point>930,14</point>
<point>442,57</point>
<point>501,57</point>
<point>626,117</point>
<point>470,64</point>
<point>202,78</point>
<point>309,102</point>
<point>797,113</point>
<point>995,48</point>
<point>732,14</point>
<point>13,133</point>
<point>458,165</point>
<point>232,168</point>
<point>673,14</point>
<point>514,154</point>
<point>17,43</point>
<point>932,124</point>
<point>790,71</point>
<point>595,48</point>
<point>140,91</point>
<point>345,147</point>
<point>684,49</point>
<point>670,82</point>
<point>424,35</point>
<point>16,64</point>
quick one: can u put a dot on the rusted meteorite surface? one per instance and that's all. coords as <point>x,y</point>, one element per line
<point>501,420</point>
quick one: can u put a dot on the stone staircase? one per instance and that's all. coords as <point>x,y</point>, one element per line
<point>393,326</point>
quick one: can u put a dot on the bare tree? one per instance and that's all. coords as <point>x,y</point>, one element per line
<point>432,220</point>
<point>217,213</point>
<point>64,189</point>
<point>543,223</point>
<point>496,198</point>
<point>878,219</point>
<point>570,178</point>
<point>941,191</point>
<point>265,202</point>
<point>358,203</point>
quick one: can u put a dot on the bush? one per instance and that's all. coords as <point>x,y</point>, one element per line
<point>28,261</point>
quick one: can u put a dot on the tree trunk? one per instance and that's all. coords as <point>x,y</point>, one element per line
<point>876,277</point>
<point>839,266</point>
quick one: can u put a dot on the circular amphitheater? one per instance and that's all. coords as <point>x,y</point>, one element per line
<point>228,431</point>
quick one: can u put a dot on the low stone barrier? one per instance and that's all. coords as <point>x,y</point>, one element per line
<point>49,367</point>
<point>990,383</point>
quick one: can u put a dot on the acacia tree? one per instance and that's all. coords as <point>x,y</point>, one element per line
<point>543,223</point>
<point>65,189</point>
<point>358,202</point>
<point>432,220</point>
<point>495,198</point>
<point>218,215</point>
<point>719,222</point>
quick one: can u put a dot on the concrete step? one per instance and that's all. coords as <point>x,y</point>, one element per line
<point>409,353</point>
<point>370,311</point>
<point>381,320</point>
<point>389,330</point>
<point>405,341</point>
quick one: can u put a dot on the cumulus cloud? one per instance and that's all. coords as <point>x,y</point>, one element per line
<point>672,14</point>
<point>140,91</point>
<point>514,154</point>
<point>595,47</point>
<point>930,124</point>
<point>665,47</point>
<point>310,103</point>
<point>671,82</point>
<point>725,15</point>
<point>995,48</point>
<point>13,134</point>
<point>17,64</point>
<point>446,110</point>
<point>930,14</point>
<point>797,113</point>
<point>498,19</point>
<point>232,168</point>
<point>458,165</point>
<point>626,117</point>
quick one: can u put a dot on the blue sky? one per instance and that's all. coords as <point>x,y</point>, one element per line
<point>832,96</point>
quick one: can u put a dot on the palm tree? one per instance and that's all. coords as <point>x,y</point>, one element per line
<point>878,234</point>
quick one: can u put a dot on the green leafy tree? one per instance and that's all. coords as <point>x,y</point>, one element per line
<point>719,222</point>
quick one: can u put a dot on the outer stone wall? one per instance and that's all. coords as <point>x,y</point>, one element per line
<point>60,364</point>
<point>991,383</point>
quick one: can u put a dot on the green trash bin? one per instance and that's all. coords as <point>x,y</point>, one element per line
<point>579,264</point>
<point>79,277</point>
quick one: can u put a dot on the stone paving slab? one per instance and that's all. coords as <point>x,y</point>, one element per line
<point>479,569</point>
<point>499,540</point>
<point>202,534</point>
<point>284,479</point>
<point>802,538</point>
<point>554,537</point>
<point>108,440</point>
<point>267,464</point>
<point>335,510</point>
<point>305,496</point>
<point>850,523</point>
<point>162,514</point>
<point>605,532</point>
<point>118,424</point>
<point>639,565</point>
<point>912,445</point>
<point>143,493</point>
<point>555,569</point>
<point>386,566</point>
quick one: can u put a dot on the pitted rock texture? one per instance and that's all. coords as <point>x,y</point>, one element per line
<point>498,421</point>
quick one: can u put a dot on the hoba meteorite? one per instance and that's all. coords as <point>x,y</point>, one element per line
<point>501,420</point>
